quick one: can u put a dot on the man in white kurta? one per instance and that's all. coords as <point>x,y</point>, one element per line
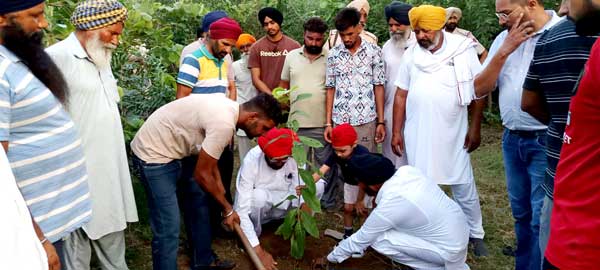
<point>21,248</point>
<point>433,80</point>
<point>401,38</point>
<point>84,60</point>
<point>414,224</point>
<point>267,176</point>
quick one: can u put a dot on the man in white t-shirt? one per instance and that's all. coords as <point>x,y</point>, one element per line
<point>267,177</point>
<point>435,93</point>
<point>245,88</point>
<point>200,125</point>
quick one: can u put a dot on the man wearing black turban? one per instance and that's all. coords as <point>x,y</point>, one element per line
<point>267,55</point>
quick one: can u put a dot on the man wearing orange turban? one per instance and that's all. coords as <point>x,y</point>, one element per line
<point>244,87</point>
<point>435,134</point>
<point>267,176</point>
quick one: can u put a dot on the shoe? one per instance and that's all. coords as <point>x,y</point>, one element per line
<point>509,251</point>
<point>358,255</point>
<point>479,249</point>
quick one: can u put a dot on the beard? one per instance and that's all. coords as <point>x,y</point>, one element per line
<point>588,25</point>
<point>99,52</point>
<point>428,44</point>
<point>314,49</point>
<point>451,26</point>
<point>29,49</point>
<point>399,38</point>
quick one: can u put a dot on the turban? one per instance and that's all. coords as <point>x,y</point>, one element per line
<point>212,17</point>
<point>427,17</point>
<point>225,28</point>
<point>9,6</point>
<point>398,11</point>
<point>95,14</point>
<point>272,13</point>
<point>244,39</point>
<point>343,135</point>
<point>360,4</point>
<point>453,10</point>
<point>371,168</point>
<point>277,142</point>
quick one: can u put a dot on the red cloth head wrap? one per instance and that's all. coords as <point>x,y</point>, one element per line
<point>343,135</point>
<point>225,28</point>
<point>277,142</point>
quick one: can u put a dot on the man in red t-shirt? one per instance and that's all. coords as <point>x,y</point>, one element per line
<point>267,55</point>
<point>575,225</point>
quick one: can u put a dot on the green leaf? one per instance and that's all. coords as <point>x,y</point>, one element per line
<point>289,198</point>
<point>302,97</point>
<point>294,125</point>
<point>310,224</point>
<point>286,228</point>
<point>311,200</point>
<point>309,181</point>
<point>299,154</point>
<point>298,242</point>
<point>310,142</point>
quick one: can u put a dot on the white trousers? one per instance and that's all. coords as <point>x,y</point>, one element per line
<point>467,198</point>
<point>110,250</point>
<point>418,253</point>
<point>262,206</point>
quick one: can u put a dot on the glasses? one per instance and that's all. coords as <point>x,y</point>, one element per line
<point>504,16</point>
<point>279,160</point>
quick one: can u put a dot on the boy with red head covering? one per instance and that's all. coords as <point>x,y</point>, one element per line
<point>267,176</point>
<point>344,141</point>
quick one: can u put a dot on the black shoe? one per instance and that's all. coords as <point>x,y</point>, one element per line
<point>509,251</point>
<point>479,249</point>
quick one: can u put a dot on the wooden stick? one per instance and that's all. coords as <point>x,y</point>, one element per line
<point>251,253</point>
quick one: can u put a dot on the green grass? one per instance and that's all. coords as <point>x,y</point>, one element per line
<point>489,175</point>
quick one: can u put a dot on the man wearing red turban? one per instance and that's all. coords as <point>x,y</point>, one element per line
<point>268,175</point>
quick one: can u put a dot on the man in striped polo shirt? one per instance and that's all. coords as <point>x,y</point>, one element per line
<point>40,140</point>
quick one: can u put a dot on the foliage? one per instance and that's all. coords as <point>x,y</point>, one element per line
<point>298,222</point>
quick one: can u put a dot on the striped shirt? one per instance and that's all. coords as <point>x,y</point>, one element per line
<point>559,57</point>
<point>203,72</point>
<point>45,152</point>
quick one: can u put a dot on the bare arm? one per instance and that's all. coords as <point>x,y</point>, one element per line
<point>258,83</point>
<point>5,146</point>
<point>473,139</point>
<point>329,113</point>
<point>398,121</point>
<point>379,106</point>
<point>232,90</point>
<point>183,91</point>
<point>533,103</point>
<point>483,56</point>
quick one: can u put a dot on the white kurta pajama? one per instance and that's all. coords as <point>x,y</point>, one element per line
<point>437,117</point>
<point>259,188</point>
<point>414,223</point>
<point>93,106</point>
<point>392,56</point>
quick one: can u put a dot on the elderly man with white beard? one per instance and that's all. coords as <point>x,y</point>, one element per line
<point>401,38</point>
<point>84,59</point>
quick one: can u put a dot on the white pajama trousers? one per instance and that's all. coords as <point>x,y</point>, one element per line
<point>467,198</point>
<point>418,253</point>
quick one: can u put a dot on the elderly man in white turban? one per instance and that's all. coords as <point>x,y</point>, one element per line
<point>453,16</point>
<point>85,57</point>
<point>401,38</point>
<point>363,7</point>
<point>431,110</point>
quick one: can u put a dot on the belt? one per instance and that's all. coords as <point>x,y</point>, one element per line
<point>527,133</point>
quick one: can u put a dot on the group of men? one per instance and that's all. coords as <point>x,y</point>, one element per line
<point>420,95</point>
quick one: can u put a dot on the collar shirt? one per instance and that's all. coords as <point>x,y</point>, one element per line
<point>243,83</point>
<point>511,78</point>
<point>255,173</point>
<point>353,77</point>
<point>414,206</point>
<point>93,105</point>
<point>204,73</point>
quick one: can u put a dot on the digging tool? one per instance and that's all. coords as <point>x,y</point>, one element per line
<point>251,253</point>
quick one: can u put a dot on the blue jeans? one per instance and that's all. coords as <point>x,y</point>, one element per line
<point>161,183</point>
<point>525,164</point>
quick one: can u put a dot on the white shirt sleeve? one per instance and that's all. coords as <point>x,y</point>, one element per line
<point>243,197</point>
<point>403,75</point>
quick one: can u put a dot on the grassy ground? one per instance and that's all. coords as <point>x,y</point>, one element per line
<point>497,221</point>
